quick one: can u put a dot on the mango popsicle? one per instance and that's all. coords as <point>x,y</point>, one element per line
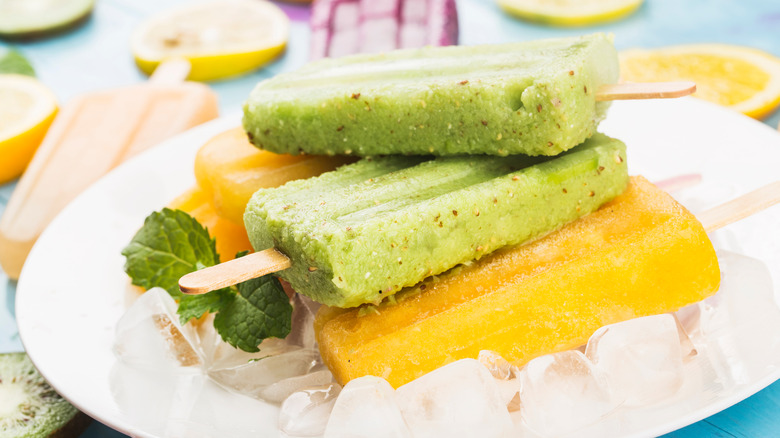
<point>640,254</point>
<point>90,136</point>
<point>363,232</point>
<point>230,170</point>
<point>534,98</point>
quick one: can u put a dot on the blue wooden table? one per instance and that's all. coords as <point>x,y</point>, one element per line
<point>96,56</point>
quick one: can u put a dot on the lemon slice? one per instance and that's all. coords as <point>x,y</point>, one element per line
<point>27,108</point>
<point>744,79</point>
<point>570,12</point>
<point>220,39</point>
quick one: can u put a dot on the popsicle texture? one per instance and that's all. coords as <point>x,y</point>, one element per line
<point>90,136</point>
<point>640,254</point>
<point>534,98</point>
<point>365,231</point>
<point>229,170</point>
<point>346,27</point>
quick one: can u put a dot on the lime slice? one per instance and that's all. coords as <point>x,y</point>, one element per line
<point>570,12</point>
<point>741,78</point>
<point>12,61</point>
<point>27,108</point>
<point>21,19</point>
<point>220,39</point>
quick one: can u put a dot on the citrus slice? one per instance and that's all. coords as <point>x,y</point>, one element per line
<point>741,78</point>
<point>27,108</point>
<point>570,12</point>
<point>21,19</point>
<point>220,39</point>
<point>12,61</point>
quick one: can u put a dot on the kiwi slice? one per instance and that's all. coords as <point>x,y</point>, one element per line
<point>29,407</point>
<point>29,19</point>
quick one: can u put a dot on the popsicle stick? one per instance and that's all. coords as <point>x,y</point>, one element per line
<point>172,71</point>
<point>645,90</point>
<point>741,207</point>
<point>234,271</point>
<point>270,260</point>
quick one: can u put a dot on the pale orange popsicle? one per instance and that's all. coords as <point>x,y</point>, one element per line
<point>90,136</point>
<point>641,254</point>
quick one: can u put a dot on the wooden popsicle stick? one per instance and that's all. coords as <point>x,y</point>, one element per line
<point>645,90</point>
<point>172,71</point>
<point>741,207</point>
<point>235,271</point>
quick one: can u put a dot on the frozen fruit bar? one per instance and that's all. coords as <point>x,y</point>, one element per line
<point>534,98</point>
<point>640,254</point>
<point>229,170</point>
<point>365,231</point>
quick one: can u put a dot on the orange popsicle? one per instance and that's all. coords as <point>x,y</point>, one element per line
<point>90,136</point>
<point>641,254</point>
<point>229,169</point>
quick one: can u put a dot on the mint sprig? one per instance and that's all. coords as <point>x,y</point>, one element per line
<point>171,244</point>
<point>11,61</point>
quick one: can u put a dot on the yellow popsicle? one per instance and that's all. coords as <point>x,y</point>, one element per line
<point>641,254</point>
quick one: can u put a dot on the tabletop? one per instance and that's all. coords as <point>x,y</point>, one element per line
<point>96,56</point>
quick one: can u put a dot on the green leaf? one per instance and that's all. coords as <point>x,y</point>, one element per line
<point>170,244</point>
<point>194,306</point>
<point>258,311</point>
<point>11,61</point>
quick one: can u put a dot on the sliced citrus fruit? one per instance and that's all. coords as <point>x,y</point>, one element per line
<point>27,108</point>
<point>570,12</point>
<point>21,19</point>
<point>220,39</point>
<point>741,78</point>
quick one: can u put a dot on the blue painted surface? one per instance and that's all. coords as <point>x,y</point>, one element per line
<point>96,56</point>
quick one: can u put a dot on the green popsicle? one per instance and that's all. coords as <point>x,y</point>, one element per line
<point>533,98</point>
<point>364,231</point>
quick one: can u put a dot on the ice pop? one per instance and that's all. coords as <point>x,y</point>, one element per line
<point>229,170</point>
<point>346,27</point>
<point>363,232</point>
<point>534,98</point>
<point>89,137</point>
<point>640,254</point>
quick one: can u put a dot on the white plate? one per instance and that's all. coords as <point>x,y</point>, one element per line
<point>73,288</point>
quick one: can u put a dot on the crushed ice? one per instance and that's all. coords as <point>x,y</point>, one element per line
<point>626,366</point>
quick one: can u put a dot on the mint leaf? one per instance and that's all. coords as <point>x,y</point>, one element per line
<point>14,62</point>
<point>258,311</point>
<point>194,306</point>
<point>170,244</point>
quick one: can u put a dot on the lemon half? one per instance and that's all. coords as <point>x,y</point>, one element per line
<point>27,108</point>
<point>220,39</point>
<point>741,78</point>
<point>570,12</point>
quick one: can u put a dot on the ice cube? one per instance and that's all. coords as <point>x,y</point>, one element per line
<point>460,399</point>
<point>150,336</point>
<point>641,357</point>
<point>739,323</point>
<point>253,376</point>
<point>506,376</point>
<point>219,354</point>
<point>305,413</point>
<point>367,407</point>
<point>302,331</point>
<point>563,392</point>
<point>278,391</point>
